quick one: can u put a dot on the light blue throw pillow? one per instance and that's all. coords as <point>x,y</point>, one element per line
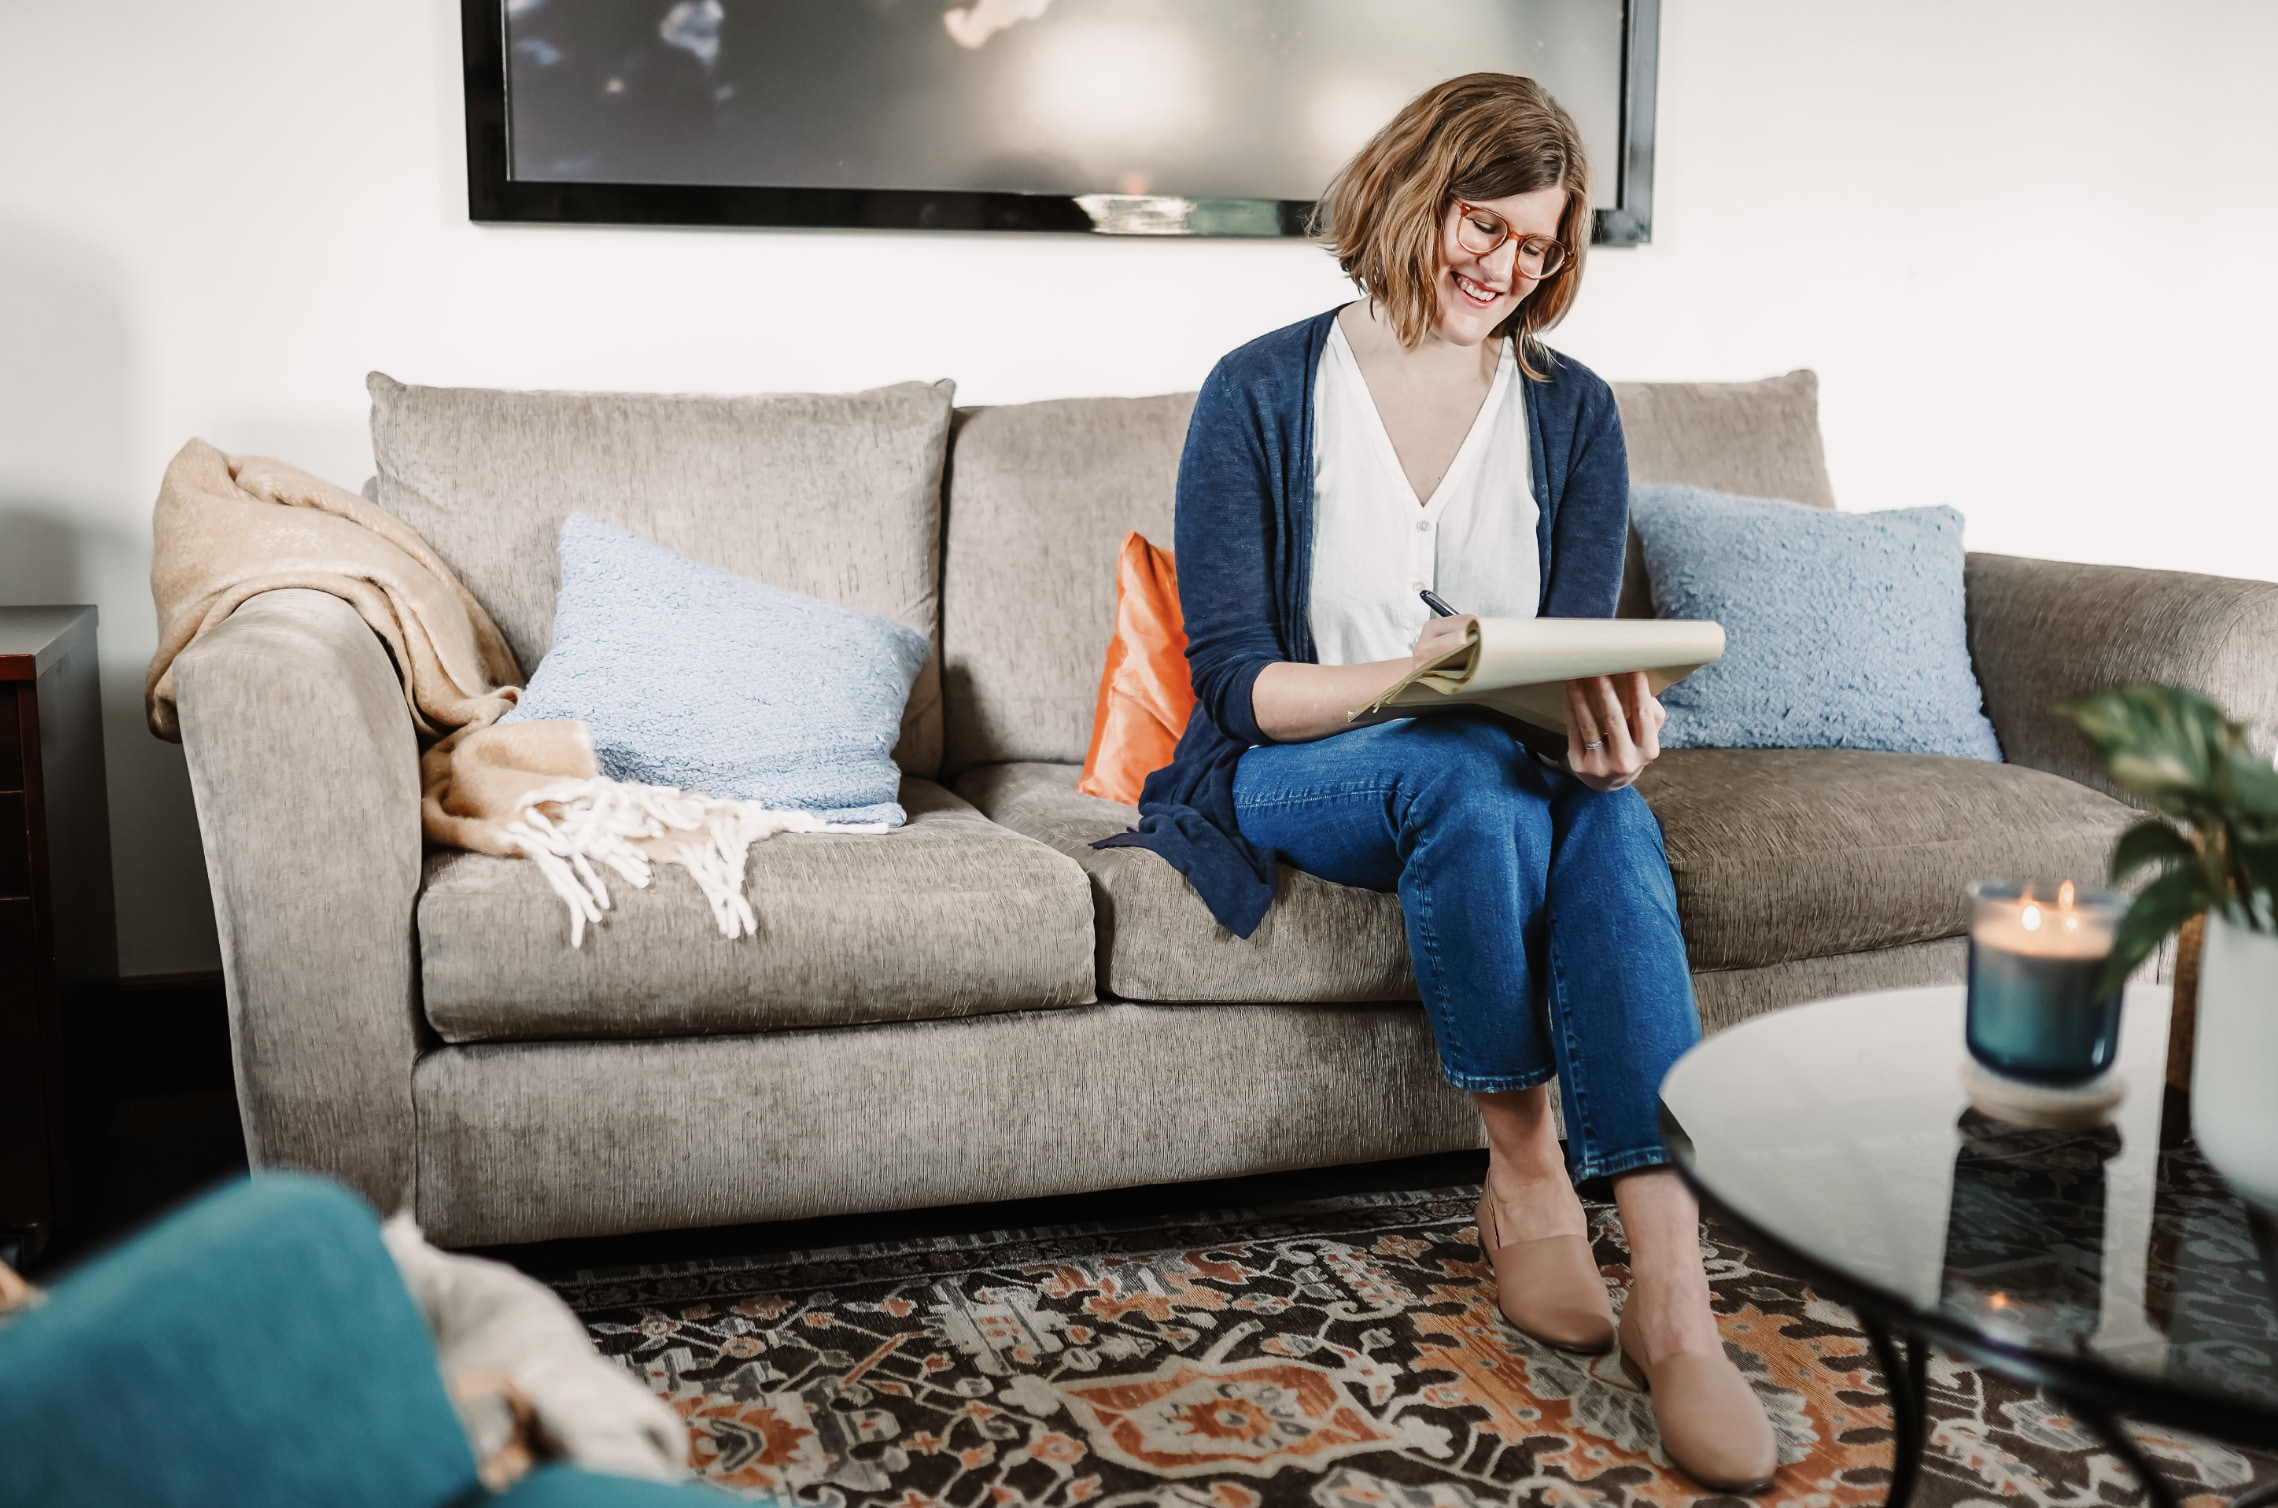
<point>709,681</point>
<point>1841,630</point>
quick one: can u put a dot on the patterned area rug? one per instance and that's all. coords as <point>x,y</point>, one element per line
<point>1334,1354</point>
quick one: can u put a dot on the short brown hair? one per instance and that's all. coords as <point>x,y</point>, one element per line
<point>1481,136</point>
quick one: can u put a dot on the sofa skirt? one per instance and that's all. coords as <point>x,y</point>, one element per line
<point>536,1141</point>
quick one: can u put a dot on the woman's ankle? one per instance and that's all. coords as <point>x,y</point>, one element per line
<point>1527,1178</point>
<point>1533,1202</point>
<point>1526,1170</point>
<point>1670,1315</point>
<point>1522,1136</point>
<point>1668,1286</point>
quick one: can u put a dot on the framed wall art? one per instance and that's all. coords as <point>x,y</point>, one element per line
<point>1119,117</point>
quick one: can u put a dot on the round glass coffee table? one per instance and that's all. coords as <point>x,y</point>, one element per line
<point>2111,1267</point>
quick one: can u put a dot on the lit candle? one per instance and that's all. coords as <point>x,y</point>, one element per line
<point>2035,1012</point>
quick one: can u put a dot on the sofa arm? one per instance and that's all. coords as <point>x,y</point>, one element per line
<point>306,774</point>
<point>2044,630</point>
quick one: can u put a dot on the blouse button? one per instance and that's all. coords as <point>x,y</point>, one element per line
<point>1423,526</point>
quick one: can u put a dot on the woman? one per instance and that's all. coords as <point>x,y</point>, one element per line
<point>1424,439</point>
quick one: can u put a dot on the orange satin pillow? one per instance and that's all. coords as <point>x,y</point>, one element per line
<point>1144,693</point>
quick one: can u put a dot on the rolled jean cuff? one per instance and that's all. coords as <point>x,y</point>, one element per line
<point>1497,1083</point>
<point>1614,1164</point>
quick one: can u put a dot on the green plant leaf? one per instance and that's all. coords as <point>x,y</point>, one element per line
<point>2175,751</point>
<point>2158,909</point>
<point>2260,861</point>
<point>2150,842</point>
<point>2158,743</point>
<point>2253,780</point>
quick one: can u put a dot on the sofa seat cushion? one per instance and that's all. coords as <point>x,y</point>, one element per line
<point>1778,855</point>
<point>951,915</point>
<point>1782,854</point>
<point>1157,941</point>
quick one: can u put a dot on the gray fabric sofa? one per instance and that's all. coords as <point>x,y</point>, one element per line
<point>981,1006</point>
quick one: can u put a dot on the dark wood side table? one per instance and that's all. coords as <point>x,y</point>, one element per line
<point>58,943</point>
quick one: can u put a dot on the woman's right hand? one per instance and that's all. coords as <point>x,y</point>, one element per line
<point>1293,703</point>
<point>1440,636</point>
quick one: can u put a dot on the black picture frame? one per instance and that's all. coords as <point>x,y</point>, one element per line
<point>494,196</point>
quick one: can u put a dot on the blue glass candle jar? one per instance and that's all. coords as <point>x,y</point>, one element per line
<point>2037,956</point>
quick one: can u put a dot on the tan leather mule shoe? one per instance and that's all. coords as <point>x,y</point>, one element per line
<point>1549,1287</point>
<point>1711,1423</point>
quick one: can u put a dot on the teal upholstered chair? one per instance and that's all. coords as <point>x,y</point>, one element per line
<point>257,1348</point>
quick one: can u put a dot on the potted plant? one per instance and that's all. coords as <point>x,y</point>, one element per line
<point>2214,847</point>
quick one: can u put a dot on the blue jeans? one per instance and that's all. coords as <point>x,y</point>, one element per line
<point>1542,922</point>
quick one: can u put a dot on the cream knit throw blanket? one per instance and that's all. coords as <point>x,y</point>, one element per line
<point>230,527</point>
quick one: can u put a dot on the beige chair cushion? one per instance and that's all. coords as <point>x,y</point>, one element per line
<point>950,915</point>
<point>1778,855</point>
<point>1041,497</point>
<point>1157,942</point>
<point>1803,853</point>
<point>834,495</point>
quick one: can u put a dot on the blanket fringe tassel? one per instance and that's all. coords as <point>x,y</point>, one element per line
<point>574,829</point>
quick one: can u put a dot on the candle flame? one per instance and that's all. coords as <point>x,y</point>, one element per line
<point>2064,896</point>
<point>2030,920</point>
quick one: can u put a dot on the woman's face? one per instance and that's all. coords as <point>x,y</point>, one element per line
<point>1477,293</point>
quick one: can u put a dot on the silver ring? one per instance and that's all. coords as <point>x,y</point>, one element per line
<point>1593,748</point>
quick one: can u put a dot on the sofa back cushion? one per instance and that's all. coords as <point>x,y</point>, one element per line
<point>1041,495</point>
<point>834,495</point>
<point>1751,439</point>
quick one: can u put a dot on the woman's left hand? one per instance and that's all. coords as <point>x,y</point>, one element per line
<point>1613,729</point>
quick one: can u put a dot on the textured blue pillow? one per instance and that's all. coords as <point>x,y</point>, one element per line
<point>709,681</point>
<point>1842,630</point>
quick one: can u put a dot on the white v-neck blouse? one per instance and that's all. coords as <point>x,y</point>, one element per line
<point>1374,547</point>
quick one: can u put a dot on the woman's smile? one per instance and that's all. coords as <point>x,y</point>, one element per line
<point>1478,293</point>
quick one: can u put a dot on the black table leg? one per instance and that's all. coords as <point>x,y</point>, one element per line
<point>2124,1446</point>
<point>1908,1384</point>
<point>2265,1231</point>
<point>2265,1228</point>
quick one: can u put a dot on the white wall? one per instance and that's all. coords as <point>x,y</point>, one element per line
<point>2024,244</point>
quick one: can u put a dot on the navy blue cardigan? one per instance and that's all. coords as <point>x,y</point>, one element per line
<point>1245,555</point>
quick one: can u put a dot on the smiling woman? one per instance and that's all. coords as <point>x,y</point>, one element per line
<point>1423,443</point>
<point>1469,142</point>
